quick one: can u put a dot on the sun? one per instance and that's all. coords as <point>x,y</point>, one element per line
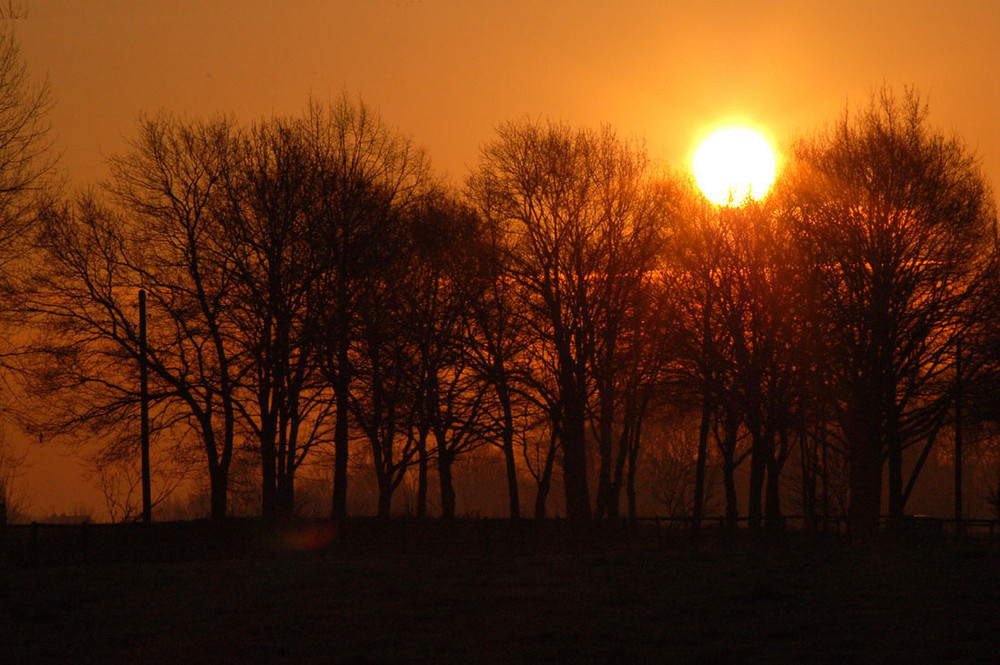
<point>734,163</point>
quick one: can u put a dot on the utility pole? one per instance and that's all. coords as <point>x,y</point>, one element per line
<point>147,510</point>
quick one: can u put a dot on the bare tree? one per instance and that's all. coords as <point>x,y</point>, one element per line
<point>384,401</point>
<point>169,184</point>
<point>976,387</point>
<point>670,465</point>
<point>27,170</point>
<point>900,223</point>
<point>270,231</point>
<point>567,202</point>
<point>83,358</point>
<point>119,480</point>
<point>13,501</point>
<point>499,347</point>
<point>734,285</point>
<point>645,351</point>
<point>760,312</point>
<point>452,397</point>
<point>633,214</point>
<point>365,174</point>
<point>702,374</point>
<point>26,161</point>
<point>158,232</point>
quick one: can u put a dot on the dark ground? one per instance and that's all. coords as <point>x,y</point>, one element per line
<point>799,600</point>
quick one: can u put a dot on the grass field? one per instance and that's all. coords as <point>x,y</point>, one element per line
<point>797,601</point>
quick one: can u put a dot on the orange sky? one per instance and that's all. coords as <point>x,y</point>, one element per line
<point>445,72</point>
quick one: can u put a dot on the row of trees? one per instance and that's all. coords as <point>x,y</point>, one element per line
<point>833,314</point>
<point>314,292</point>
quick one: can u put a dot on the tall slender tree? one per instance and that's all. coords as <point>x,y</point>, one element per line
<point>278,257</point>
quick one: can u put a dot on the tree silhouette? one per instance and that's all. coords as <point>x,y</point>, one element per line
<point>452,395</point>
<point>169,184</point>
<point>366,174</point>
<point>26,182</point>
<point>159,228</point>
<point>568,203</point>
<point>26,163</point>
<point>311,287</point>
<point>277,245</point>
<point>497,344</point>
<point>628,252</point>
<point>899,224</point>
<point>700,375</point>
<point>82,364</point>
<point>13,500</point>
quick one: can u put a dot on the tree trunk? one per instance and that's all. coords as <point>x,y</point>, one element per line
<point>269,480</point>
<point>147,500</point>
<point>959,528</point>
<point>865,502</point>
<point>732,500</point>
<point>896,499</point>
<point>773,520</point>
<point>824,476</point>
<point>545,479</point>
<point>758,468</point>
<point>699,474</point>
<point>618,479</point>
<point>574,447</point>
<point>728,449</point>
<point>218,492</point>
<point>541,498</point>
<point>809,465</point>
<point>445,461</point>
<point>422,469</point>
<point>513,494</point>
<point>341,437</point>
<point>286,495</point>
<point>633,462</point>
<point>772,512</point>
<point>286,468</point>
<point>384,499</point>
<point>606,417</point>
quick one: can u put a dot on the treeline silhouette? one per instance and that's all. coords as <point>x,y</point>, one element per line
<point>314,292</point>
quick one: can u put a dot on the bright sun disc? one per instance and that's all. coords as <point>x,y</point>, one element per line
<point>732,164</point>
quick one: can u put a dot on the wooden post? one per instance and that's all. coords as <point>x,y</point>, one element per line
<point>147,512</point>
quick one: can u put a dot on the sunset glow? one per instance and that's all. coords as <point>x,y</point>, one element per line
<point>734,163</point>
<point>512,331</point>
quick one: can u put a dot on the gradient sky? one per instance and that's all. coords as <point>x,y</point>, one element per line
<point>446,72</point>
